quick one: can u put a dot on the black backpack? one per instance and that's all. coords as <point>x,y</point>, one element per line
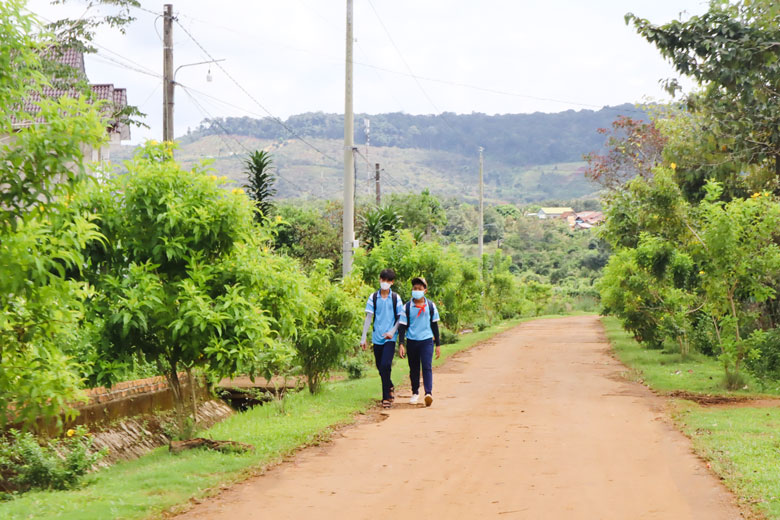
<point>395,304</point>
<point>408,308</point>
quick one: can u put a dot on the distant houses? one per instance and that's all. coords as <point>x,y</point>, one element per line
<point>576,220</point>
<point>586,219</point>
<point>545,213</point>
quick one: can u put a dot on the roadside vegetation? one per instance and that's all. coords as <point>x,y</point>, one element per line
<point>159,481</point>
<point>693,213</point>
<point>173,271</point>
<point>693,218</point>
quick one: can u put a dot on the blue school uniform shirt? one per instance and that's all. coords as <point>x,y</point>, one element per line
<point>420,328</point>
<point>384,317</point>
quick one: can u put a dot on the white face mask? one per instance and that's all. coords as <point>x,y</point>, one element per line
<point>385,286</point>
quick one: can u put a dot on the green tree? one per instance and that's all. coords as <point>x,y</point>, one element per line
<point>182,281</point>
<point>41,234</point>
<point>309,233</point>
<point>322,346</point>
<point>732,51</point>
<point>740,261</point>
<point>421,213</point>
<point>260,185</point>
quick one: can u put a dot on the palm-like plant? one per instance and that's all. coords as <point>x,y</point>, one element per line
<point>378,221</point>
<point>260,186</point>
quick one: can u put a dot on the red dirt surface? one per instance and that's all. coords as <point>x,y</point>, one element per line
<point>535,424</point>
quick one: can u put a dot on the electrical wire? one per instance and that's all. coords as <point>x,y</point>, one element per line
<point>253,98</point>
<point>206,114</point>
<point>338,61</point>
<point>416,80</point>
<point>111,61</point>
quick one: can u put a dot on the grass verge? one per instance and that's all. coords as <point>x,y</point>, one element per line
<point>665,370</point>
<point>160,482</point>
<point>740,443</point>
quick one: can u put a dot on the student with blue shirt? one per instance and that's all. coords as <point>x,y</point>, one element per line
<point>420,325</point>
<point>384,308</point>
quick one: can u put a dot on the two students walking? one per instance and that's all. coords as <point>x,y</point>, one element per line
<point>416,321</point>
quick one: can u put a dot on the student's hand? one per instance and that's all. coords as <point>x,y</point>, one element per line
<point>363,345</point>
<point>438,351</point>
<point>401,352</point>
<point>388,335</point>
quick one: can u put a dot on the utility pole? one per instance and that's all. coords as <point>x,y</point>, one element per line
<point>481,206</point>
<point>349,158</point>
<point>378,191</point>
<point>168,73</point>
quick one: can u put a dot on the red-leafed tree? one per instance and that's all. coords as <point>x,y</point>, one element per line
<point>633,148</point>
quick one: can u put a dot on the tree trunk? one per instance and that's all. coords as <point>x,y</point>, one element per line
<point>777,165</point>
<point>193,397</point>
<point>173,381</point>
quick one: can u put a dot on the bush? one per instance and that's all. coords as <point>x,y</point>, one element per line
<point>481,325</point>
<point>323,345</point>
<point>446,336</point>
<point>355,368</point>
<point>25,464</point>
<point>766,367</point>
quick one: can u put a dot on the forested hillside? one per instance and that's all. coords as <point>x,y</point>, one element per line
<point>528,157</point>
<point>516,139</point>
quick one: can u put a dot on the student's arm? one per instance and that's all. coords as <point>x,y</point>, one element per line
<point>390,333</point>
<point>366,324</point>
<point>401,336</point>
<point>399,310</point>
<point>435,329</point>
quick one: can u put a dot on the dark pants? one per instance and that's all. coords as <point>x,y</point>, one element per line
<point>420,353</point>
<point>383,355</point>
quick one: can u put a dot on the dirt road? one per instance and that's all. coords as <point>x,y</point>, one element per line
<point>536,424</point>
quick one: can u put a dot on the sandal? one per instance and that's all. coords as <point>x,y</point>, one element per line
<point>386,403</point>
<point>392,393</point>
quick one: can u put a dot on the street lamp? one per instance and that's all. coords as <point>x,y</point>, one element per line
<point>170,82</point>
<point>208,74</point>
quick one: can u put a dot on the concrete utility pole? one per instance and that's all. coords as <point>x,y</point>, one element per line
<point>481,206</point>
<point>349,158</point>
<point>168,73</point>
<point>378,191</point>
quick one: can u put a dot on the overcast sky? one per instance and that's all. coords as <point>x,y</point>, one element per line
<point>524,56</point>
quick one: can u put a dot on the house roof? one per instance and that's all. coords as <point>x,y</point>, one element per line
<point>116,97</point>
<point>556,211</point>
<point>69,57</point>
<point>590,216</point>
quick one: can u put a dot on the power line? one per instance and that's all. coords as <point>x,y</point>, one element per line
<point>111,61</point>
<point>337,62</point>
<point>398,51</point>
<point>388,176</point>
<point>416,80</point>
<point>205,112</point>
<point>141,8</point>
<point>245,91</point>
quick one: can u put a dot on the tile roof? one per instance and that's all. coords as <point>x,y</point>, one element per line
<point>116,97</point>
<point>591,216</point>
<point>72,58</point>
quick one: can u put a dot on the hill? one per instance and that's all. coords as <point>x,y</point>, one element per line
<point>528,157</point>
